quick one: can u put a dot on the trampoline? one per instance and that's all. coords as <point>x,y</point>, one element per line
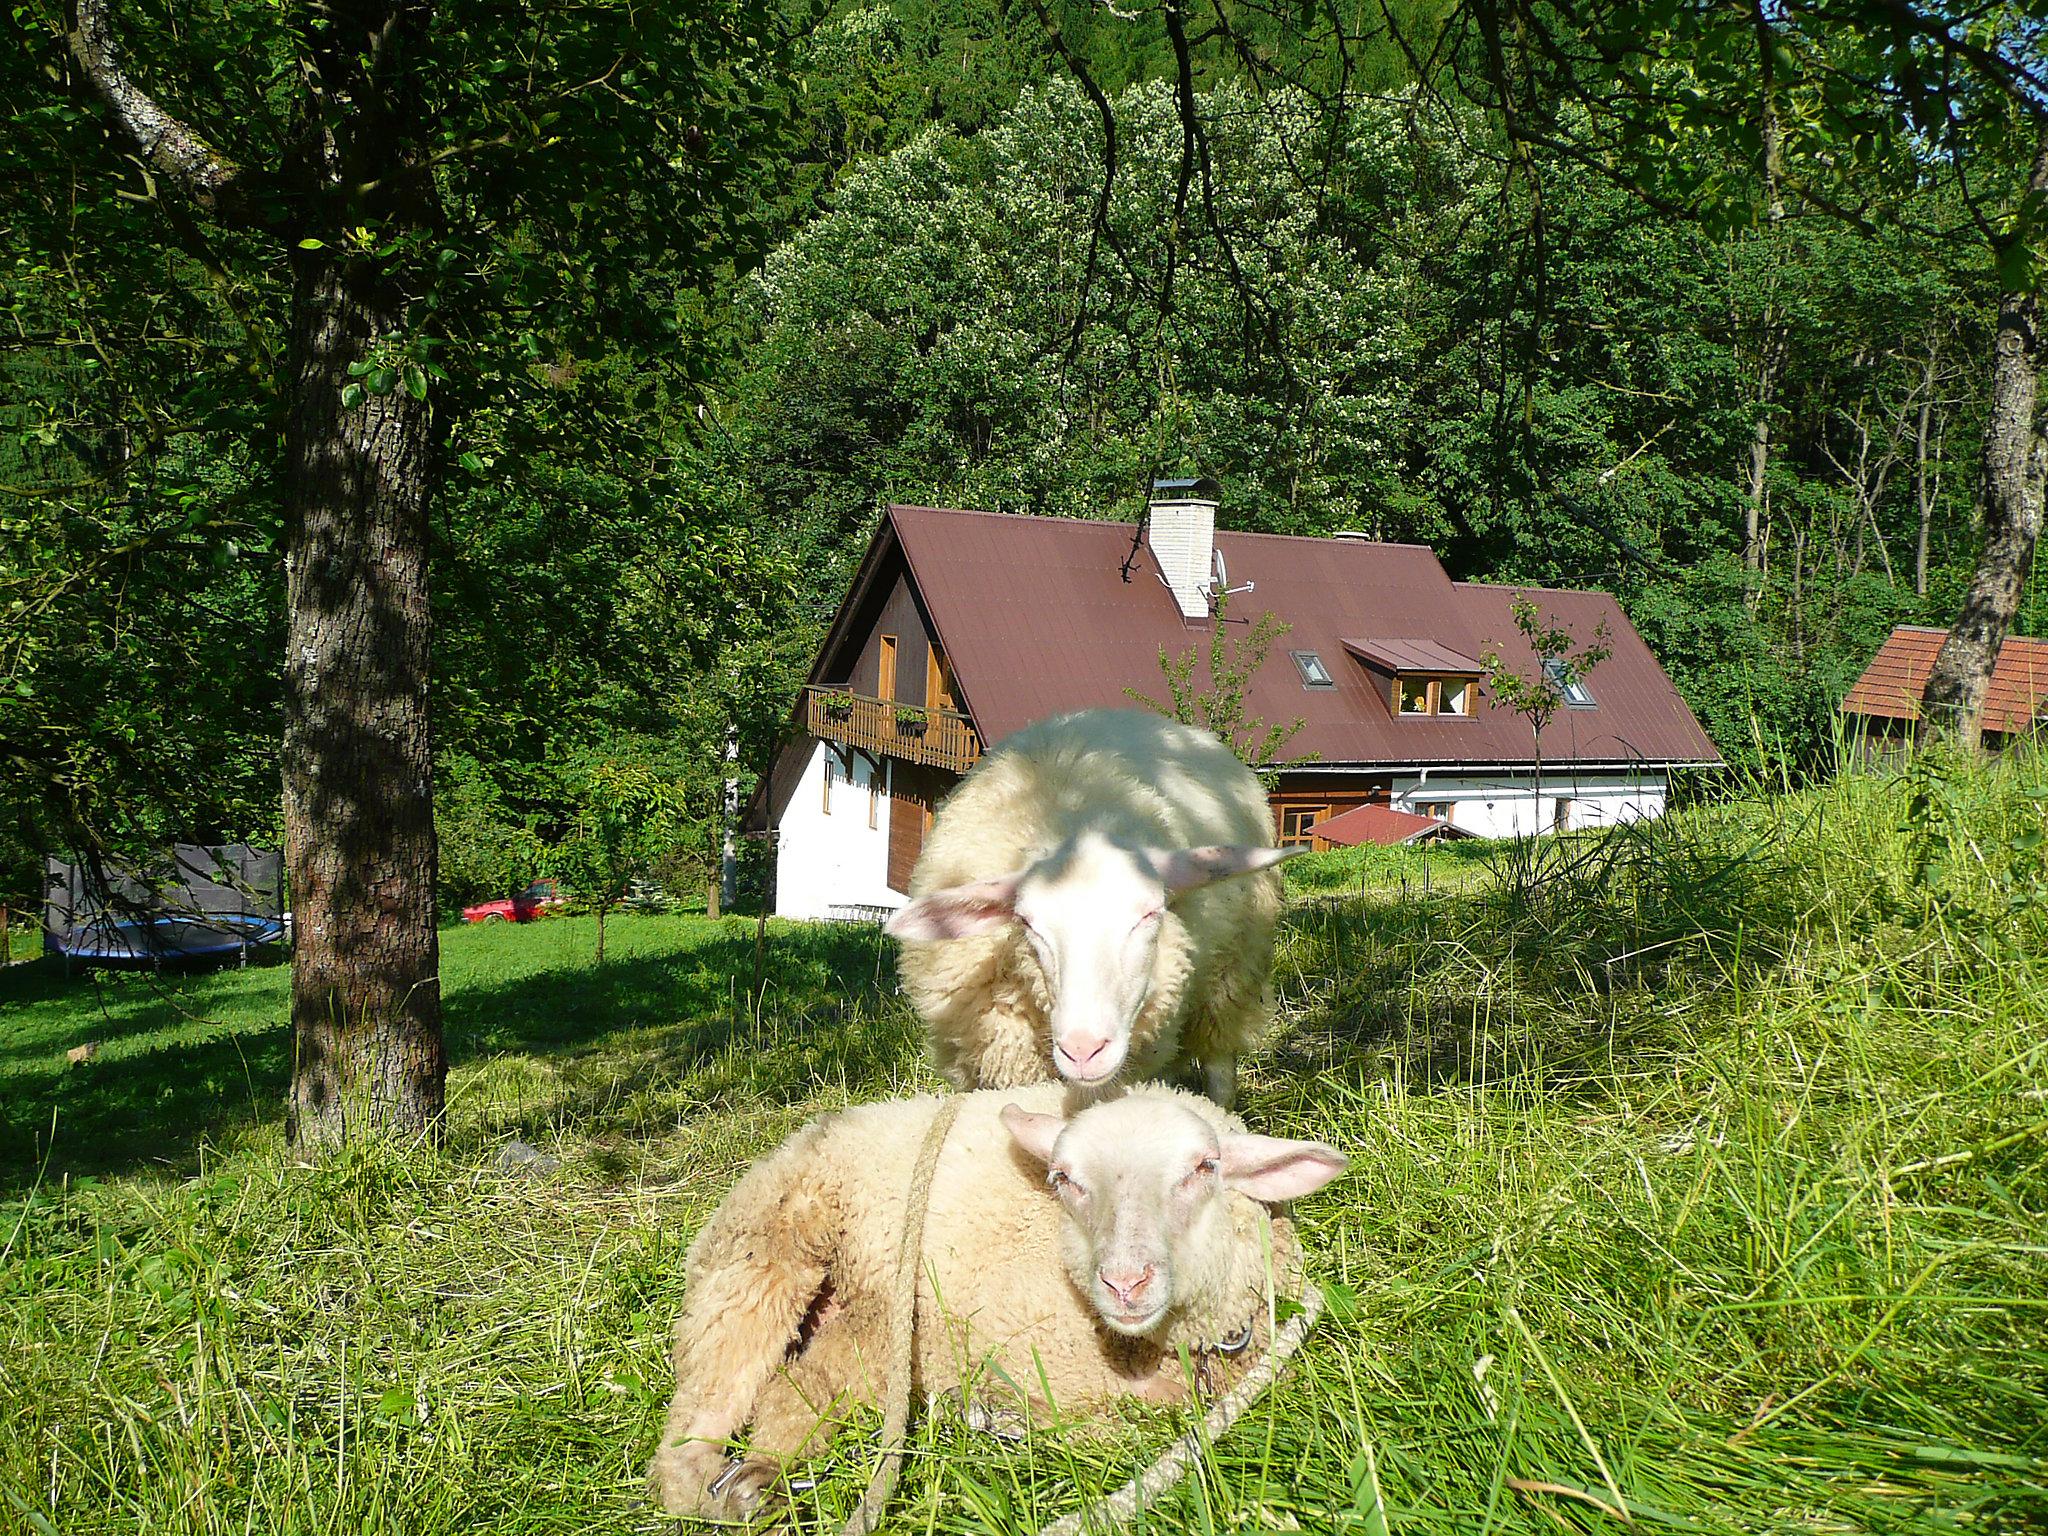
<point>159,939</point>
<point>209,905</point>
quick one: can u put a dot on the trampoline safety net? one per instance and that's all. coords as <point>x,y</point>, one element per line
<point>203,901</point>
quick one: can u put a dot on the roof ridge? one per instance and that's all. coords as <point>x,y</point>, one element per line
<point>1131,527</point>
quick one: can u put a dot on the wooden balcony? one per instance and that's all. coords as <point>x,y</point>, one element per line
<point>932,738</point>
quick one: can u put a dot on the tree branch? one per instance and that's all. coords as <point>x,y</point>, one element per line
<point>167,145</point>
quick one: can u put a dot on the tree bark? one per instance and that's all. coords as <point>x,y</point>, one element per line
<point>1923,495</point>
<point>1953,702</point>
<point>358,763</point>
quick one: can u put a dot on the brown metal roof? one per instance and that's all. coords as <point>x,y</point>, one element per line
<point>1412,656</point>
<point>1380,824</point>
<point>1891,685</point>
<point>1037,617</point>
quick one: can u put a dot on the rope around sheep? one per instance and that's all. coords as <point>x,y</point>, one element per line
<point>1116,1510</point>
<point>903,1326</point>
<point>1112,1511</point>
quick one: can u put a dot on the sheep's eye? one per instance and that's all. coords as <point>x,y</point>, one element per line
<point>1149,917</point>
<point>1058,1178</point>
<point>1205,1169</point>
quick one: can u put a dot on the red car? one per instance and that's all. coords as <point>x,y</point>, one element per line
<point>522,908</point>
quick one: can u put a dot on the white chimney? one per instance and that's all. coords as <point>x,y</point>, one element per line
<point>1181,529</point>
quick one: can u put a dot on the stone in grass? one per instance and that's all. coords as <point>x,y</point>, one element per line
<point>522,1158</point>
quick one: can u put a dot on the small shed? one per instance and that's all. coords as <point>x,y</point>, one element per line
<point>1887,695</point>
<point>1382,826</point>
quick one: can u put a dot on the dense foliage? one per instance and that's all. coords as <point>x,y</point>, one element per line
<point>657,493</point>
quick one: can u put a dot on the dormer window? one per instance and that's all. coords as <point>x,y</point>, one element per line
<point>1415,694</point>
<point>1573,689</point>
<point>1313,673</point>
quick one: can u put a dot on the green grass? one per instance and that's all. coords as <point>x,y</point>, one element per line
<point>1703,1169</point>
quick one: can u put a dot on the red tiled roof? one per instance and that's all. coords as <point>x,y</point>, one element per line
<point>1038,617</point>
<point>1412,656</point>
<point>1380,824</point>
<point>1891,685</point>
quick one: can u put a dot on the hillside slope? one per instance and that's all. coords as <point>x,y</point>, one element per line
<point>1701,1173</point>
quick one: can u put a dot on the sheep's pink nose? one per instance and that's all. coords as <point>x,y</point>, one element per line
<point>1130,1284</point>
<point>1084,1050</point>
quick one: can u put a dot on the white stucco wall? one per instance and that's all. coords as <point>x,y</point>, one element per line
<point>1506,805</point>
<point>836,859</point>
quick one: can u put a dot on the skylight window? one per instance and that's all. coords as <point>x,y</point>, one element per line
<point>1313,673</point>
<point>1574,689</point>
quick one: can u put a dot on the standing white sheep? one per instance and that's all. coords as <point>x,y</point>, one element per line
<point>1152,1236</point>
<point>1096,898</point>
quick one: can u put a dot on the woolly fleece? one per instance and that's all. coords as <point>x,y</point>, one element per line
<point>1140,780</point>
<point>786,1318</point>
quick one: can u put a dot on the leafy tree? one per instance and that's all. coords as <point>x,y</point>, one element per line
<point>629,818</point>
<point>1232,662</point>
<point>1538,695</point>
<point>409,214</point>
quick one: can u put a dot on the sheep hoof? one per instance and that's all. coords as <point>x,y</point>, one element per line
<point>746,1491</point>
<point>1003,1423</point>
<point>698,1479</point>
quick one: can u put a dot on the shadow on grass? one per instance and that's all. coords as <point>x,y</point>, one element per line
<point>187,1061</point>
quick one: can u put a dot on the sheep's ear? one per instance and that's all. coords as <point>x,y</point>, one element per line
<point>958,910</point>
<point>1269,1168</point>
<point>1183,869</point>
<point>1034,1133</point>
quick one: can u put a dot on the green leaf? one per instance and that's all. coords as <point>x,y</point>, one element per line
<point>382,380</point>
<point>310,244</point>
<point>351,396</point>
<point>415,381</point>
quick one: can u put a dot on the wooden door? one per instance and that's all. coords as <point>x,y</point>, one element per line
<point>913,794</point>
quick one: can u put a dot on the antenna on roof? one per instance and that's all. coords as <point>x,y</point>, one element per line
<point>1223,587</point>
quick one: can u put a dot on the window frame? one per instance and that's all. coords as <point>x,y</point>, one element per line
<point>1321,678</point>
<point>1303,835</point>
<point>885,669</point>
<point>1432,694</point>
<point>1553,669</point>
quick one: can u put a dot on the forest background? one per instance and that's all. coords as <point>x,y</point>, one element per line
<point>1369,326</point>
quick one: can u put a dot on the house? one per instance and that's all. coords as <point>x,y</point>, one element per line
<point>1885,701</point>
<point>963,627</point>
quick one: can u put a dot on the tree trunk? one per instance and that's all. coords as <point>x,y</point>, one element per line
<point>1923,496</point>
<point>1953,701</point>
<point>358,776</point>
<point>602,908</point>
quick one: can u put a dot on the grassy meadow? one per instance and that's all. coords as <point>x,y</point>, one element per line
<point>1700,1182</point>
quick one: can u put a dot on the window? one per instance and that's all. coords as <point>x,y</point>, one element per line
<point>1562,819</point>
<point>1440,809</point>
<point>827,807</point>
<point>1434,695</point>
<point>1575,691</point>
<point>885,669</point>
<point>938,681</point>
<point>874,801</point>
<point>1297,823</point>
<point>1313,673</point>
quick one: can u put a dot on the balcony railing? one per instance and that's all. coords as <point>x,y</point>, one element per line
<point>934,738</point>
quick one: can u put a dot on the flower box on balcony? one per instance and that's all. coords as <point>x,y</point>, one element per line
<point>911,722</point>
<point>837,706</point>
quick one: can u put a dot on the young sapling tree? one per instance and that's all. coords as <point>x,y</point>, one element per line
<point>1560,668</point>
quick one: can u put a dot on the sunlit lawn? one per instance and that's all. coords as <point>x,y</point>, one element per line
<point>1706,1177</point>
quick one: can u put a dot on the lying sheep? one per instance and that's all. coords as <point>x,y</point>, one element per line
<point>1075,909</point>
<point>1151,1236</point>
